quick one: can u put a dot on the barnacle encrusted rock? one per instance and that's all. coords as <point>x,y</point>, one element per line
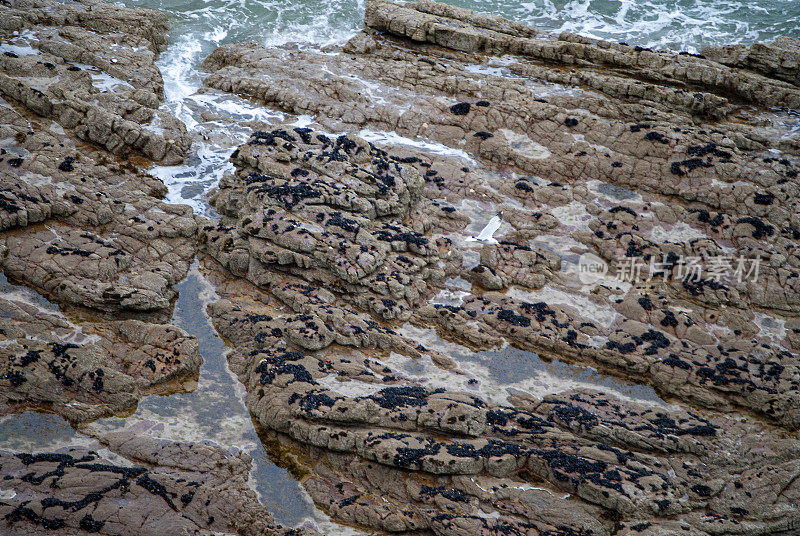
<point>590,159</point>
<point>80,226</point>
<point>146,487</point>
<point>84,228</point>
<point>386,451</point>
<point>330,211</point>
<point>90,67</point>
<point>360,306</point>
<point>90,370</point>
<point>587,147</point>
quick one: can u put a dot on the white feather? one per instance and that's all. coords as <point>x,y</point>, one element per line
<point>487,232</point>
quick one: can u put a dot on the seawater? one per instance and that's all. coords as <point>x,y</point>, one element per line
<point>199,25</point>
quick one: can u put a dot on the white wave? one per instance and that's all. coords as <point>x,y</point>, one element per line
<point>676,24</point>
<point>393,138</point>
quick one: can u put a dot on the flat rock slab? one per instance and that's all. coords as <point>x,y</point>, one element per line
<point>137,485</point>
<point>82,226</point>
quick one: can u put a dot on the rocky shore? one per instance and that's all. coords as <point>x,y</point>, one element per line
<point>385,354</point>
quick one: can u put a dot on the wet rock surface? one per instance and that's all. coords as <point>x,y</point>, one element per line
<point>408,73</point>
<point>345,246</point>
<point>331,212</point>
<point>385,449</point>
<point>86,229</point>
<point>399,280</point>
<point>90,370</point>
<point>90,255</point>
<point>79,224</point>
<point>90,67</point>
<point>135,484</point>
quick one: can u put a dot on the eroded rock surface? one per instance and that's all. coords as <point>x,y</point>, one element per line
<point>90,67</point>
<point>385,450</point>
<point>333,249</point>
<point>137,485</point>
<point>90,370</point>
<point>330,211</point>
<point>586,142</point>
<point>82,226</point>
<point>79,224</point>
<point>341,244</point>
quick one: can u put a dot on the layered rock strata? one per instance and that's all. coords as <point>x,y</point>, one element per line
<point>81,226</point>
<point>135,485</point>
<point>338,245</point>
<point>90,67</point>
<point>344,244</point>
